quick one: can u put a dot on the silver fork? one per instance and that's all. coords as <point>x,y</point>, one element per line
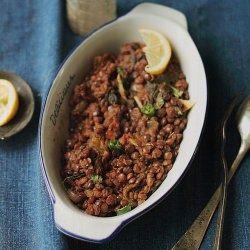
<point>224,184</point>
<point>193,237</point>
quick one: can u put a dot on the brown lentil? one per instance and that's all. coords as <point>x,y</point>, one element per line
<point>99,180</point>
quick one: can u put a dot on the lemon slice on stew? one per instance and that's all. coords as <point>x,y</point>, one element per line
<point>157,50</point>
<point>8,101</point>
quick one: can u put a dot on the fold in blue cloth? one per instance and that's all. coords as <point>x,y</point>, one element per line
<point>34,39</point>
<point>30,34</point>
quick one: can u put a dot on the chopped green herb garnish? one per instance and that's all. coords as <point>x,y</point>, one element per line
<point>151,87</point>
<point>120,70</point>
<point>113,144</point>
<point>148,110</point>
<point>123,210</point>
<point>112,98</point>
<point>177,93</point>
<point>166,93</point>
<point>96,178</point>
<point>178,110</point>
<point>159,101</point>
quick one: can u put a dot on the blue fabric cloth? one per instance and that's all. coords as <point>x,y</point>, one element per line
<point>34,39</point>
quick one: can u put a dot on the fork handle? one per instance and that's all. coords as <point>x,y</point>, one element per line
<point>220,219</point>
<point>193,237</point>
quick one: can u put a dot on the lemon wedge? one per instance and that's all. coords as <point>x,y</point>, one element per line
<point>8,101</point>
<point>157,50</point>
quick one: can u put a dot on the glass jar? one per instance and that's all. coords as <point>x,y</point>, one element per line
<point>86,15</point>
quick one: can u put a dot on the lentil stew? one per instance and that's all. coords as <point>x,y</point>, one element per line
<point>126,127</point>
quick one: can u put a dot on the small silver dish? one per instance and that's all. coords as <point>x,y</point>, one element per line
<point>26,106</point>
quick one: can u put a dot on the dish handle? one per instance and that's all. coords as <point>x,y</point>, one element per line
<point>74,223</point>
<point>164,11</point>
